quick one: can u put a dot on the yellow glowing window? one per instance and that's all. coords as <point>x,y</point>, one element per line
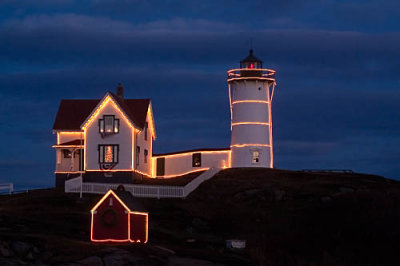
<point>196,159</point>
<point>108,153</point>
<point>108,124</point>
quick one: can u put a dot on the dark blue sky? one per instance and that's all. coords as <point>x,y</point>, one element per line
<point>337,103</point>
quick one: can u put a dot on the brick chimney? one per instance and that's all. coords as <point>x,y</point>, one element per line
<point>120,91</point>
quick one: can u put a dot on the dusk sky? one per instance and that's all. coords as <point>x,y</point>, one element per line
<point>336,104</point>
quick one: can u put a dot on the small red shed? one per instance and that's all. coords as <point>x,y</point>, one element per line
<point>117,218</point>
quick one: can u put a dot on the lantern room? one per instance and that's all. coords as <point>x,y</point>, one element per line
<point>250,64</point>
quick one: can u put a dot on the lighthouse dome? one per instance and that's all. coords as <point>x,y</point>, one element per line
<point>251,61</point>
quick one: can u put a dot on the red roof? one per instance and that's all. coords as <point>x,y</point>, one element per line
<point>72,113</point>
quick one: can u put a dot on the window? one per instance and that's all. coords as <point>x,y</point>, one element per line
<point>110,202</point>
<point>137,155</point>
<point>196,159</point>
<point>256,156</point>
<point>146,126</point>
<point>67,153</point>
<point>108,125</point>
<point>146,152</point>
<point>108,154</point>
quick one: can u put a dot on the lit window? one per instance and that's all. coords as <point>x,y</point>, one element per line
<point>196,159</point>
<point>256,156</point>
<point>108,124</point>
<point>108,157</point>
<point>146,152</point>
<point>108,154</point>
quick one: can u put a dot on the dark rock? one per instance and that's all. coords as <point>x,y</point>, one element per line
<point>91,261</point>
<point>200,224</point>
<point>164,250</point>
<point>20,248</point>
<point>189,229</point>
<point>181,261</point>
<point>29,256</point>
<point>5,249</point>
<point>346,190</point>
<point>325,199</point>
<point>279,194</point>
<point>253,192</point>
<point>11,262</point>
<point>47,255</point>
<point>120,257</point>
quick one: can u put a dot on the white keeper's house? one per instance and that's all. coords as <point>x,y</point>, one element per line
<point>111,139</point>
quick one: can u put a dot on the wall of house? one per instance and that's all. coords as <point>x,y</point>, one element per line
<point>140,165</point>
<point>66,164</point>
<point>123,139</point>
<point>182,163</point>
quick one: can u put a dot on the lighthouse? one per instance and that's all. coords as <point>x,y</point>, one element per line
<point>251,90</point>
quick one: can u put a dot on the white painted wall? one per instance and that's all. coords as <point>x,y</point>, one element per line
<point>143,144</point>
<point>123,139</point>
<point>255,90</point>
<point>66,164</point>
<point>179,164</point>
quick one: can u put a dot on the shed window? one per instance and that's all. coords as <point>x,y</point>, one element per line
<point>196,159</point>
<point>109,124</point>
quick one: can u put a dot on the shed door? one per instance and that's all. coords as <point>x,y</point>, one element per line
<point>160,166</point>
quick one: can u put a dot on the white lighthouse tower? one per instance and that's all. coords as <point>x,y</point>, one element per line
<point>251,91</point>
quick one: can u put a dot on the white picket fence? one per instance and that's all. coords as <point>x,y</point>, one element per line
<point>75,185</point>
<point>6,186</point>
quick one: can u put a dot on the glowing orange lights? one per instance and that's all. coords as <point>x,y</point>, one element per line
<point>151,122</point>
<point>189,153</point>
<point>250,145</point>
<point>142,173</point>
<point>128,212</point>
<point>67,146</point>
<point>265,74</point>
<point>250,101</point>
<point>109,154</point>
<point>61,134</point>
<point>262,75</point>
<point>250,123</point>
<point>92,117</point>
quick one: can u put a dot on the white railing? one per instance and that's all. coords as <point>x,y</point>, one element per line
<point>7,186</point>
<point>144,191</point>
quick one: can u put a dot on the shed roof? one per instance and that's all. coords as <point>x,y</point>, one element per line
<point>126,197</point>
